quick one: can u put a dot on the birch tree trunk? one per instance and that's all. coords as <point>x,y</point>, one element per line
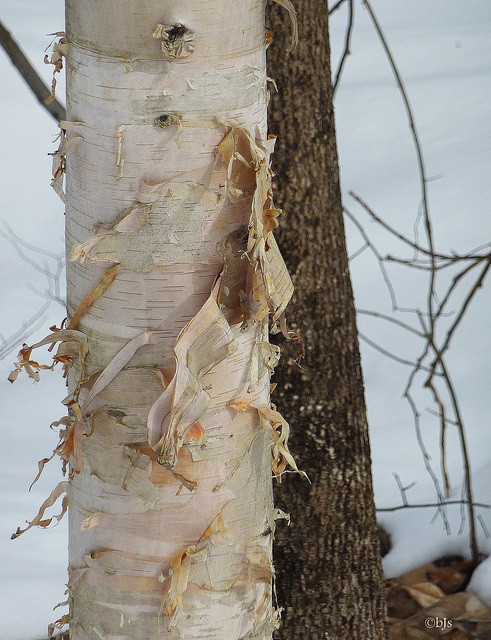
<point>174,275</point>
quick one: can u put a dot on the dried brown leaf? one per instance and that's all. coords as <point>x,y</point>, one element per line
<point>426,594</point>
<point>450,573</point>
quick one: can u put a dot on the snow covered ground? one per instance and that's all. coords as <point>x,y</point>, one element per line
<point>442,49</point>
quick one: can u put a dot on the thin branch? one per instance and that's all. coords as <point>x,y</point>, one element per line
<point>433,505</point>
<point>443,433</point>
<point>419,153</point>
<point>450,262</point>
<point>462,510</point>
<point>358,252</point>
<point>386,353</point>
<point>460,425</point>
<point>403,489</point>
<point>467,465</point>
<point>52,293</point>
<point>434,312</point>
<point>12,342</point>
<point>426,458</point>
<point>347,43</point>
<point>430,333</point>
<point>13,237</point>
<point>377,255</point>
<point>383,316</point>
<point>451,258</point>
<point>336,6</point>
<point>484,528</point>
<point>456,279</point>
<point>30,75</point>
<point>438,415</point>
<point>421,265</point>
<point>460,315</point>
<point>416,416</point>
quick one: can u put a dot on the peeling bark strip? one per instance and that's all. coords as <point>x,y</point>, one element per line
<point>171,439</point>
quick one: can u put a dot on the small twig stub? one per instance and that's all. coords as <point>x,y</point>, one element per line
<point>177,40</point>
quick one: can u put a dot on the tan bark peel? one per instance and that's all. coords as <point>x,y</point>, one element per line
<point>70,135</point>
<point>38,521</point>
<point>56,59</point>
<point>157,234</point>
<point>96,292</point>
<point>269,287</point>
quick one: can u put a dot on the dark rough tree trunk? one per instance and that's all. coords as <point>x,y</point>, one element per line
<point>327,562</point>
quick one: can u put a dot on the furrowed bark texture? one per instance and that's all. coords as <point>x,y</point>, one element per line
<point>173,275</point>
<point>327,562</point>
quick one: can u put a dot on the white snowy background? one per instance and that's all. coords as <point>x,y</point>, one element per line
<point>442,48</point>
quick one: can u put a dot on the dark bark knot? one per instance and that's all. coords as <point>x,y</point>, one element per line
<point>166,120</point>
<point>176,32</point>
<point>177,40</point>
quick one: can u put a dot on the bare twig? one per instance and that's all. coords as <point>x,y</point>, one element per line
<point>377,255</point>
<point>358,252</point>
<point>441,256</point>
<point>7,345</point>
<point>433,505</point>
<point>476,260</point>
<point>438,415</point>
<point>437,366</point>
<point>419,153</point>
<point>27,71</point>
<point>396,321</point>
<point>467,465</point>
<point>52,292</point>
<point>438,261</point>
<point>426,458</point>
<point>422,265</point>
<point>336,6</point>
<point>433,314</point>
<point>387,353</point>
<point>14,238</point>
<point>477,285</point>
<point>443,433</point>
<point>484,528</point>
<point>462,509</point>
<point>53,277</point>
<point>403,489</point>
<point>347,43</point>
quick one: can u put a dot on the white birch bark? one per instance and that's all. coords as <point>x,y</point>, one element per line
<point>171,435</point>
